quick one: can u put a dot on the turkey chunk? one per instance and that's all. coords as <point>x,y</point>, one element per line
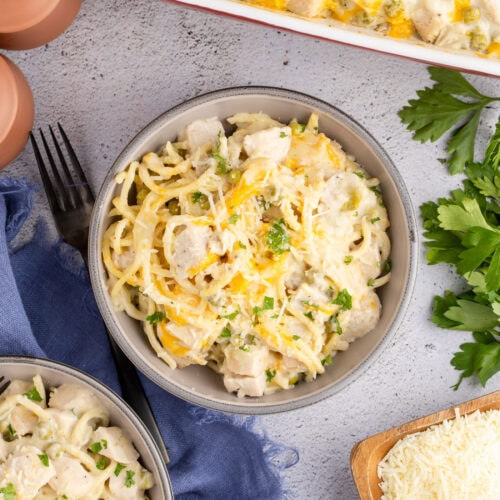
<point>137,478</point>
<point>357,322</point>
<point>74,398</point>
<point>25,470</point>
<point>23,420</point>
<point>431,17</point>
<point>118,446</point>
<point>202,132</point>
<point>71,478</point>
<point>250,363</point>
<point>65,421</point>
<point>190,249</point>
<point>307,8</point>
<point>245,386</point>
<point>272,143</point>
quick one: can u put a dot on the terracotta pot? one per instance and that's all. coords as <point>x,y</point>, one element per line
<point>25,24</point>
<point>16,111</point>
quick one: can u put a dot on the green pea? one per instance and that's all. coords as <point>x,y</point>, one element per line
<point>174,207</point>
<point>234,176</point>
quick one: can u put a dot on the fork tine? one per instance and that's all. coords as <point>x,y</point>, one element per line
<point>4,386</point>
<point>47,183</point>
<point>76,164</point>
<point>74,195</point>
<point>59,185</point>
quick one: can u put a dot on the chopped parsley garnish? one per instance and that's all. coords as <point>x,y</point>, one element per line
<point>44,459</point>
<point>343,299</point>
<point>277,238</point>
<point>98,446</point>
<point>375,219</point>
<point>302,127</point>
<point>310,304</point>
<point>244,348</point>
<point>327,361</point>
<point>8,492</point>
<point>119,467</point>
<point>309,315</point>
<point>268,303</point>
<point>283,135</point>
<point>270,374</point>
<point>155,318</point>
<point>360,174</point>
<point>348,259</point>
<point>101,463</point>
<point>370,282</point>
<point>242,245</point>
<point>226,332</point>
<point>233,218</point>
<point>11,432</point>
<point>33,395</point>
<point>257,311</point>
<point>197,197</point>
<point>266,205</point>
<point>129,481</point>
<point>295,337</point>
<point>232,315</point>
<point>387,266</point>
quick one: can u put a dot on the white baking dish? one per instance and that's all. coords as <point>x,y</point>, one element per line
<point>349,35</point>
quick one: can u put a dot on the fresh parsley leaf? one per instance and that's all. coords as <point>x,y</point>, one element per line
<point>283,135</point>
<point>242,245</point>
<point>96,447</point>
<point>155,318</point>
<point>370,282</point>
<point>343,299</point>
<point>481,358</point>
<point>101,463</point>
<point>257,310</point>
<point>245,348</point>
<point>438,110</point>
<point>44,459</point>
<point>270,374</point>
<point>33,395</point>
<point>295,337</point>
<point>309,315</point>
<point>374,220</point>
<point>277,238</point>
<point>348,259</point>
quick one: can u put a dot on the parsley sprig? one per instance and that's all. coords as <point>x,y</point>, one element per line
<point>463,230</point>
<point>439,109</point>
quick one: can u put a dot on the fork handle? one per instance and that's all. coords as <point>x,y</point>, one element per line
<point>133,393</point>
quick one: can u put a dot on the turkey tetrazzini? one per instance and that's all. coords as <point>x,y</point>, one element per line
<point>256,252</point>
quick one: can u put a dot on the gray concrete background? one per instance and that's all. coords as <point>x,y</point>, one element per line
<point>123,63</point>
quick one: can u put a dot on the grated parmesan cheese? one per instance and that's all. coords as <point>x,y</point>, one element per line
<point>456,460</point>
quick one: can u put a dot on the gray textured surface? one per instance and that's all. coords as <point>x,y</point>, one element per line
<point>122,63</point>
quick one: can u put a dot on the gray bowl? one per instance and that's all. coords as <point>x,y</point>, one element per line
<point>55,374</point>
<point>199,384</point>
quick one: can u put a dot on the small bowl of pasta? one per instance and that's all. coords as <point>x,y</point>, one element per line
<point>66,435</point>
<point>252,250</point>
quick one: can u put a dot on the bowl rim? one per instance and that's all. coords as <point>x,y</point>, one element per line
<point>252,406</point>
<point>107,393</point>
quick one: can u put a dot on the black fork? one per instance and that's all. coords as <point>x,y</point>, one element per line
<point>71,201</point>
<point>4,385</point>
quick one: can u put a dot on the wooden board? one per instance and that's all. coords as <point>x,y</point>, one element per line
<point>367,454</point>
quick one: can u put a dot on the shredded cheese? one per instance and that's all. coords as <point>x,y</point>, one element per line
<point>456,460</point>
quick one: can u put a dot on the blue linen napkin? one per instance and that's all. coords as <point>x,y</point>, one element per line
<point>47,309</point>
